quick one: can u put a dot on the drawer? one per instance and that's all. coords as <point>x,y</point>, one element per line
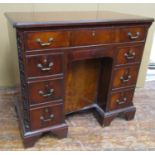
<point>131,34</point>
<point>121,99</point>
<point>92,36</point>
<point>46,39</point>
<point>45,91</point>
<point>44,65</point>
<point>126,76</point>
<point>46,116</point>
<point>130,54</point>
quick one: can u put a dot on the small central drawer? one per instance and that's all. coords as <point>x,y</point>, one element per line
<point>92,36</point>
<point>45,91</point>
<point>46,116</point>
<point>121,99</point>
<point>46,39</point>
<point>44,65</point>
<point>126,76</point>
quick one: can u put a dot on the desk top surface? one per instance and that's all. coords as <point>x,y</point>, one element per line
<point>41,19</point>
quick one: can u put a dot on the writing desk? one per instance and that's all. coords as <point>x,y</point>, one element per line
<point>72,61</point>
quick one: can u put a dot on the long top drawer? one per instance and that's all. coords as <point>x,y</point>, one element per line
<point>35,40</point>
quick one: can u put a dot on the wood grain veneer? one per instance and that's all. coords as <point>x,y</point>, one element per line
<point>73,61</point>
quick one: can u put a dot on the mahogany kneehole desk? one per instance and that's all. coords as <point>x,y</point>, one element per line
<point>73,61</point>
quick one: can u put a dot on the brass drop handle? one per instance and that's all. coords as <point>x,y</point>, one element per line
<point>133,37</point>
<point>93,33</point>
<point>130,55</point>
<point>121,101</point>
<point>125,79</point>
<point>43,44</point>
<point>42,93</point>
<point>45,68</point>
<point>48,119</point>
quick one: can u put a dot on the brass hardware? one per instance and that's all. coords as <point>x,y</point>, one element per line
<point>48,119</point>
<point>125,79</point>
<point>38,40</point>
<point>130,55</point>
<point>45,68</point>
<point>133,37</point>
<point>93,33</point>
<point>42,93</point>
<point>121,101</point>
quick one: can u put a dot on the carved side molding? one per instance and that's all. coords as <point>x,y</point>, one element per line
<point>25,103</point>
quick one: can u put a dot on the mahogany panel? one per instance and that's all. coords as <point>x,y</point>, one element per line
<point>92,36</point>
<point>46,39</point>
<point>120,99</point>
<point>96,52</point>
<point>44,65</point>
<point>131,34</point>
<point>96,73</point>
<point>125,76</point>
<point>104,81</point>
<point>46,116</point>
<point>81,84</point>
<point>45,91</point>
<point>129,54</point>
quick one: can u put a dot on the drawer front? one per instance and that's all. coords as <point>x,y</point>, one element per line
<point>46,39</point>
<point>131,34</point>
<point>126,76</point>
<point>121,99</point>
<point>92,36</point>
<point>45,91</point>
<point>127,55</point>
<point>47,116</point>
<point>44,65</point>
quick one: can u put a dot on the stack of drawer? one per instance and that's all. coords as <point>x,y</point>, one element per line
<point>44,67</point>
<point>50,47</point>
<point>125,72</point>
<point>44,71</point>
<point>42,62</point>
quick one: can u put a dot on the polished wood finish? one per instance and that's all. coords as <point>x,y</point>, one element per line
<point>129,54</point>
<point>89,18</point>
<point>125,76</point>
<point>46,116</point>
<point>121,99</point>
<point>81,84</point>
<point>76,61</point>
<point>131,34</point>
<point>58,39</point>
<point>92,36</point>
<point>45,91</point>
<point>43,65</point>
